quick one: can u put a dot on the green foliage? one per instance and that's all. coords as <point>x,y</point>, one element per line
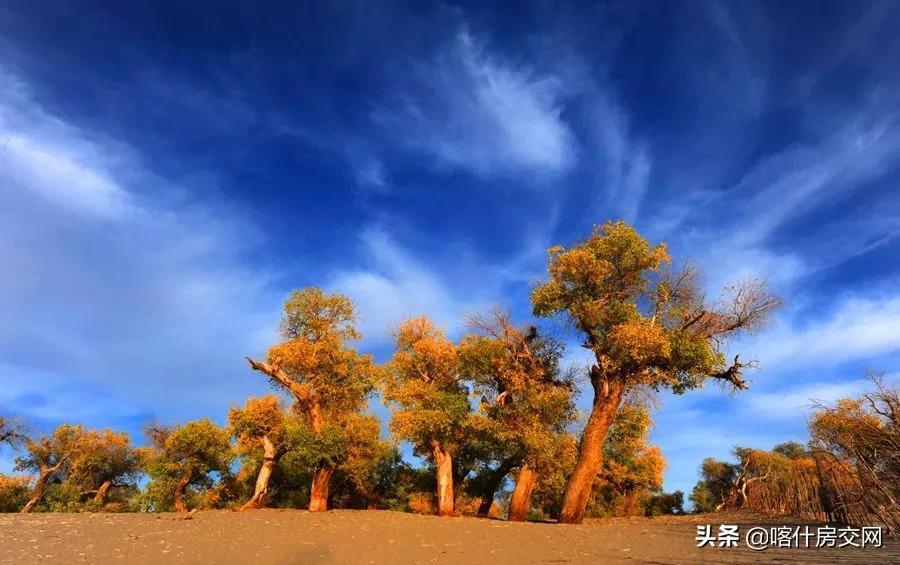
<point>196,452</point>
<point>703,498</point>
<point>716,480</point>
<point>665,504</point>
<point>792,450</point>
<point>526,400</point>
<point>48,451</point>
<point>546,501</point>
<point>306,448</point>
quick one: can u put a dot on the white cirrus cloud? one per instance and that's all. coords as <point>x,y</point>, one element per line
<point>473,110</point>
<point>859,327</point>
<point>393,285</point>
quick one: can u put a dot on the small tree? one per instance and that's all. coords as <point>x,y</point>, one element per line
<point>646,326</point>
<point>50,457</point>
<point>260,427</point>
<point>104,460</point>
<point>666,503</point>
<point>364,463</point>
<point>183,458</point>
<point>526,403</point>
<point>546,490</point>
<point>632,469</point>
<point>717,478</point>
<point>313,363</point>
<point>432,402</point>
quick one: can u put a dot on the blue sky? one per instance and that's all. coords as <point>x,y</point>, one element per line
<point>169,171</point>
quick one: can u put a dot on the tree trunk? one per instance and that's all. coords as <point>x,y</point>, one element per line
<point>101,492</point>
<point>521,496</point>
<point>493,483</point>
<point>180,489</point>
<point>261,492</point>
<point>607,395</point>
<point>318,495</point>
<point>628,509</point>
<point>39,486</point>
<point>444,462</point>
<point>307,400</point>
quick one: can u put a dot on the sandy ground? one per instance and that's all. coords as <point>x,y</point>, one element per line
<point>346,536</point>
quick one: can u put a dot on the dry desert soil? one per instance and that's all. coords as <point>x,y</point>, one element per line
<point>347,536</point>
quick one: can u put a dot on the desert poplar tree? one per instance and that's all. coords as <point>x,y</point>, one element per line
<point>259,427</point>
<point>103,460</point>
<point>50,457</point>
<point>183,458</point>
<point>526,402</point>
<point>647,326</point>
<point>328,379</point>
<point>432,404</point>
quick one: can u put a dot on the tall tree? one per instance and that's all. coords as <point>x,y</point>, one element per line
<point>526,402</point>
<point>646,325</point>
<point>326,377</point>
<point>260,426</point>
<point>50,457</point>
<point>184,457</point>
<point>423,381</point>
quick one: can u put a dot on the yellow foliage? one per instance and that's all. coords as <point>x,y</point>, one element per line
<point>316,328</point>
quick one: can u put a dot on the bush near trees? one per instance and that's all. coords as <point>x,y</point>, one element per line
<point>491,413</point>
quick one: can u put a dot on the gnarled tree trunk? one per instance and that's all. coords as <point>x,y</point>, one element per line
<point>261,492</point>
<point>40,485</point>
<point>607,396</point>
<point>521,496</point>
<point>444,463</point>
<point>318,495</point>
<point>180,489</point>
<point>307,401</point>
<point>101,492</point>
<point>493,483</point>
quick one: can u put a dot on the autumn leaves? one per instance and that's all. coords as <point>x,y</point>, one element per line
<point>647,325</point>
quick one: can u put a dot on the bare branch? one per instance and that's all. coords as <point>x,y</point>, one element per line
<point>300,391</point>
<point>733,374</point>
<point>12,432</point>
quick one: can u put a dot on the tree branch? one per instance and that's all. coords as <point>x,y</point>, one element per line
<point>300,391</point>
<point>733,374</point>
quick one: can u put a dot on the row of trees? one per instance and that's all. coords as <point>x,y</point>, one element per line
<point>849,471</point>
<point>495,403</point>
<point>269,456</point>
